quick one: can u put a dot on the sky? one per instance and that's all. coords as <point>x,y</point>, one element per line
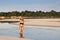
<point>31,5</point>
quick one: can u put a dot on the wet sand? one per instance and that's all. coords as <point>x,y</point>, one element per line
<point>12,38</point>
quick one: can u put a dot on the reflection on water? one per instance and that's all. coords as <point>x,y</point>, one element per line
<point>33,32</point>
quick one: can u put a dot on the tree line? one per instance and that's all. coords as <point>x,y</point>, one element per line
<point>38,14</point>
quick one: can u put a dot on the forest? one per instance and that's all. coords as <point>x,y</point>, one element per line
<point>34,14</point>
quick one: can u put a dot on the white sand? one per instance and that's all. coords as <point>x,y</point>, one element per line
<point>43,22</point>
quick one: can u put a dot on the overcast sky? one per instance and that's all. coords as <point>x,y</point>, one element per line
<point>21,5</point>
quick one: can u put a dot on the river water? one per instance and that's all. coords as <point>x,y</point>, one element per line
<point>32,32</point>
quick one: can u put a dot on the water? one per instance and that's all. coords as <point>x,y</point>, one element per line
<point>33,32</point>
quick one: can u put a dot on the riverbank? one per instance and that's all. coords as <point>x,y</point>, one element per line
<point>53,22</point>
<point>43,22</point>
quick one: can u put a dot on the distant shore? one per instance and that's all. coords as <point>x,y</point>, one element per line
<point>43,22</point>
<point>50,22</point>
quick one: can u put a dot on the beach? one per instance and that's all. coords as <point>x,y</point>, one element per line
<point>43,22</point>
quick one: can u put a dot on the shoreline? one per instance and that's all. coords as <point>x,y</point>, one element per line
<point>43,22</point>
<point>12,38</point>
<point>42,25</point>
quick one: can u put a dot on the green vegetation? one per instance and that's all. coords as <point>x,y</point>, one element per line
<point>32,14</point>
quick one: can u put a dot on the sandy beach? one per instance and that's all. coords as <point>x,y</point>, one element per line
<point>43,22</point>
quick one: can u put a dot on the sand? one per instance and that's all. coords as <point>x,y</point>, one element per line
<point>43,22</point>
<point>12,38</point>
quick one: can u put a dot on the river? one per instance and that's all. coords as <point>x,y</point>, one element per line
<point>33,32</point>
